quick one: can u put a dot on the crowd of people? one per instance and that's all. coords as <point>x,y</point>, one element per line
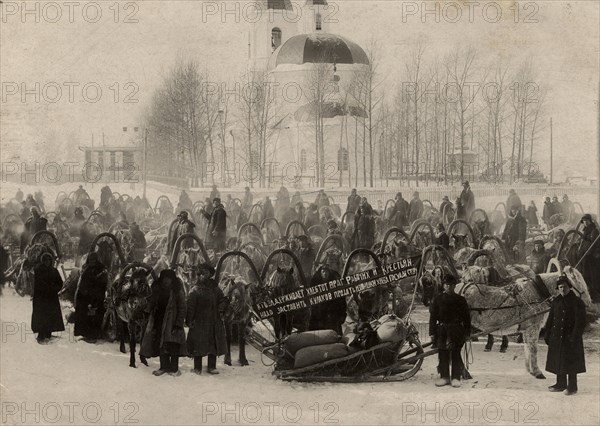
<point>203,308</point>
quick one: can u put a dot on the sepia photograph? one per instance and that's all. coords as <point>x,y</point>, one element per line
<point>300,212</point>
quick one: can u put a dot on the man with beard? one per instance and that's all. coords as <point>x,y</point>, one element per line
<point>328,315</point>
<point>46,316</point>
<point>401,210</point>
<point>217,225</point>
<point>441,237</point>
<point>415,208</point>
<point>89,299</point>
<point>590,264</point>
<point>353,201</point>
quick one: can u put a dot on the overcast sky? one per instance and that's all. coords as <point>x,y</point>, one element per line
<point>129,60</point>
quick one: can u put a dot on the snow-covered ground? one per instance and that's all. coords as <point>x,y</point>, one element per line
<point>73,382</point>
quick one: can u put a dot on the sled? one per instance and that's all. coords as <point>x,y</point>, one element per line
<point>384,362</point>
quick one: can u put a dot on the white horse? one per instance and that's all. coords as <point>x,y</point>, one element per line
<point>514,308</point>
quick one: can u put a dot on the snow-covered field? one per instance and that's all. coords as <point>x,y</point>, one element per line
<point>73,382</point>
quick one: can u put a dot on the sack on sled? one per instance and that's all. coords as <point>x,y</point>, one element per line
<point>310,338</point>
<point>314,354</point>
<point>391,329</point>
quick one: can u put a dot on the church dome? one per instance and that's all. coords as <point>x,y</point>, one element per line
<point>318,47</point>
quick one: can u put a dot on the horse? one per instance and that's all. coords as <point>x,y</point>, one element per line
<point>283,282</point>
<point>238,313</point>
<point>512,308</point>
<point>130,299</point>
<point>431,284</point>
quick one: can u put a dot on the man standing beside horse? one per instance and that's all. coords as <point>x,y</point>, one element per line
<point>449,327</point>
<point>564,337</point>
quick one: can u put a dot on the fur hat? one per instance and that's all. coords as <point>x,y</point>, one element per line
<point>563,280</point>
<point>206,267</point>
<point>450,279</point>
<point>586,216</point>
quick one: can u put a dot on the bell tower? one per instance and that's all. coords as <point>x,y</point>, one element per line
<point>316,16</point>
<point>273,22</point>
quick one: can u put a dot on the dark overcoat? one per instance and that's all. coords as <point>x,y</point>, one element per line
<point>206,305</point>
<point>46,315</point>
<point>156,335</point>
<point>91,290</point>
<point>564,335</point>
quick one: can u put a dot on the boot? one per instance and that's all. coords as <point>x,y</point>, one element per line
<point>442,382</point>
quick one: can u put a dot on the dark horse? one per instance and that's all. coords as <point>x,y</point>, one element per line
<point>130,297</point>
<point>283,282</point>
<point>238,313</point>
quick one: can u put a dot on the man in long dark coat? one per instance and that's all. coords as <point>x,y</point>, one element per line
<point>401,210</point>
<point>34,224</point>
<point>513,201</point>
<point>353,201</point>
<point>328,315</point>
<point>515,229</point>
<point>89,299</point>
<point>467,198</point>
<point>449,326</point>
<point>548,211</point>
<point>165,336</point>
<point>564,337</point>
<point>590,264</point>
<point>217,225</point>
<point>364,229</point>
<point>206,306</point>
<point>415,208</point>
<point>46,316</point>
<point>306,255</point>
<point>139,241</point>
<point>184,226</point>
<point>247,202</point>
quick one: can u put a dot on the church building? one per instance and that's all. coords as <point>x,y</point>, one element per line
<point>315,130</point>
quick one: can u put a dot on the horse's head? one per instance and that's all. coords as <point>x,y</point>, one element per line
<point>431,283</point>
<point>579,285</point>
<point>283,280</point>
<point>460,241</point>
<point>237,291</point>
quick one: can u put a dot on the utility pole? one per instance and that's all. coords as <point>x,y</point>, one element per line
<point>551,170</point>
<point>144,158</point>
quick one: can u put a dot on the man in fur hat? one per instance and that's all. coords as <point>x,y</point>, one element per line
<point>564,337</point>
